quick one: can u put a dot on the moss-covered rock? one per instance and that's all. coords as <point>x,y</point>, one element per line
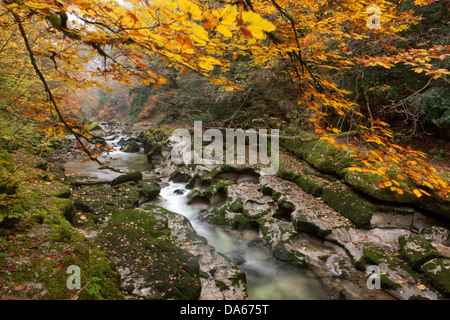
<point>286,174</point>
<point>368,184</point>
<point>332,162</point>
<point>351,205</point>
<point>132,176</point>
<point>395,273</point>
<point>435,233</point>
<point>180,175</point>
<point>287,256</point>
<point>64,192</point>
<point>199,181</point>
<point>303,223</point>
<point>416,251</point>
<point>129,192</point>
<point>226,169</point>
<point>64,207</point>
<point>152,137</point>
<point>312,185</point>
<point>95,126</point>
<point>95,203</point>
<point>324,157</point>
<point>131,147</point>
<point>41,247</point>
<point>435,204</point>
<point>141,242</point>
<point>232,213</point>
<point>149,190</point>
<point>196,196</point>
<point>364,212</point>
<point>437,271</point>
<point>220,186</point>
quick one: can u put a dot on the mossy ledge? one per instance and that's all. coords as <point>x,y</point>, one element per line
<point>140,243</point>
<point>328,162</point>
<point>38,243</point>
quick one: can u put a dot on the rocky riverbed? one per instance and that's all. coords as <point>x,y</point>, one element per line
<point>312,221</point>
<point>308,220</point>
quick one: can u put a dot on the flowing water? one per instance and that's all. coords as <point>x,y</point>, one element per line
<point>125,161</point>
<point>267,279</point>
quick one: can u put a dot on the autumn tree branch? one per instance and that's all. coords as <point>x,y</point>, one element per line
<point>77,135</point>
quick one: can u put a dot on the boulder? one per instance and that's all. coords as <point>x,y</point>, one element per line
<point>131,147</point>
<point>149,190</point>
<point>132,176</point>
<point>364,212</point>
<point>437,271</point>
<point>180,176</point>
<point>416,251</point>
<point>435,233</point>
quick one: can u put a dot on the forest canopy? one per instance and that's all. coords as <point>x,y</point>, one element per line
<point>331,67</point>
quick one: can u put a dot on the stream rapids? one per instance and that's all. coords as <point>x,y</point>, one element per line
<point>267,278</point>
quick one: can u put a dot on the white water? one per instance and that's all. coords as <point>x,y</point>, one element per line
<point>125,161</point>
<point>267,279</point>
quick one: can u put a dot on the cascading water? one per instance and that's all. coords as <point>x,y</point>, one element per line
<point>267,279</point>
<point>125,161</point>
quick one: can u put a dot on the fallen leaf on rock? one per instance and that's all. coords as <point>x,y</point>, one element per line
<point>19,287</point>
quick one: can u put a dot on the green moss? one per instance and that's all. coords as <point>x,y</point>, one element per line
<point>282,254</point>
<point>375,255</point>
<point>303,224</point>
<point>417,251</point>
<point>94,126</point>
<point>144,238</point>
<point>226,168</point>
<point>368,184</point>
<point>310,171</point>
<point>64,192</point>
<point>311,184</point>
<point>62,206</point>
<point>233,214</point>
<point>220,186</point>
<point>286,174</point>
<point>387,283</point>
<point>266,190</point>
<point>45,277</point>
<point>221,285</point>
<point>132,176</point>
<point>203,179</point>
<point>239,278</point>
<point>349,204</point>
<point>149,190</point>
<point>437,271</point>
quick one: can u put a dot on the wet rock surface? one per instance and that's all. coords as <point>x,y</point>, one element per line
<point>309,220</point>
<point>304,230</point>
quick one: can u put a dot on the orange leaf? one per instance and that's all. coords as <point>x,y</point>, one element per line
<point>417,193</point>
<point>19,287</point>
<point>246,32</point>
<point>209,24</point>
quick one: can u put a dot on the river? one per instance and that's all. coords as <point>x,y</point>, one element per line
<point>267,278</point>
